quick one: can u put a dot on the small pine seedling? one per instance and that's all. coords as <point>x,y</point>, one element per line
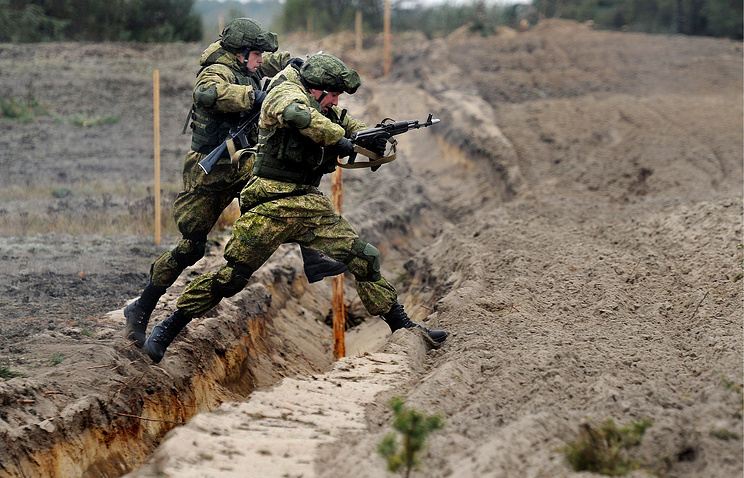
<point>414,428</point>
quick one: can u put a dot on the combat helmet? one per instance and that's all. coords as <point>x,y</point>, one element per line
<point>326,72</point>
<point>243,34</point>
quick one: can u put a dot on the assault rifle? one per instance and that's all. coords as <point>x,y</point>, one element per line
<point>238,131</point>
<point>365,139</point>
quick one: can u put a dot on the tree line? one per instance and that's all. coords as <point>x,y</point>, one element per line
<point>98,20</point>
<point>176,20</point>
<point>719,18</point>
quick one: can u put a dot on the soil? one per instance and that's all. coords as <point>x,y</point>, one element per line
<point>574,222</point>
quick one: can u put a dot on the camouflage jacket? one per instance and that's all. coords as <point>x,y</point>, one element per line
<point>291,152</point>
<point>222,91</point>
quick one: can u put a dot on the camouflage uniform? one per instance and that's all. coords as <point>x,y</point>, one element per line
<point>197,208</point>
<point>281,203</point>
<point>225,88</point>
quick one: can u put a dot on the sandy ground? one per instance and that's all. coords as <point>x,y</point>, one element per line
<point>575,223</point>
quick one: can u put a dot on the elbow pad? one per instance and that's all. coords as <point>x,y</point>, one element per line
<point>205,96</point>
<point>297,115</point>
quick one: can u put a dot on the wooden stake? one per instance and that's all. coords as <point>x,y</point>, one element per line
<point>156,124</point>
<point>337,303</point>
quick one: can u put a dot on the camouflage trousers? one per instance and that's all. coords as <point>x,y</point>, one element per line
<point>196,210</point>
<point>277,212</point>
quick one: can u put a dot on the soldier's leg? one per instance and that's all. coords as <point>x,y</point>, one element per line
<point>378,295</point>
<point>195,213</point>
<point>253,241</point>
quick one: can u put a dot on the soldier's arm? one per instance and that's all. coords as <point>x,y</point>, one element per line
<point>273,63</point>
<point>287,106</point>
<point>216,92</point>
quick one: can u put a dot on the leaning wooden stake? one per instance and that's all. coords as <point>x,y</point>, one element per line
<point>156,125</point>
<point>339,307</point>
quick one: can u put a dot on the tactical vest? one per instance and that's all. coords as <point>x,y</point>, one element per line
<point>209,129</point>
<point>285,154</point>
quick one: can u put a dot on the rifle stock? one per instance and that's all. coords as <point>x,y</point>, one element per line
<point>237,131</point>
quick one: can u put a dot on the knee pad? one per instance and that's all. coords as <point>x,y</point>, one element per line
<point>370,255</point>
<point>188,252</point>
<point>230,280</point>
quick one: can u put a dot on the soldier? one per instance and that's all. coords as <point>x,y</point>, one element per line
<point>226,86</point>
<point>302,133</point>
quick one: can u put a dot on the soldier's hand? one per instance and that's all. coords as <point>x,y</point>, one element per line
<point>344,147</point>
<point>296,61</point>
<point>258,97</point>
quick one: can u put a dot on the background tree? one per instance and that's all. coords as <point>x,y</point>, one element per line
<point>721,18</point>
<point>330,16</point>
<point>95,20</point>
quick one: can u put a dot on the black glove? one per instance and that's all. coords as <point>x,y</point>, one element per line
<point>296,62</point>
<point>379,145</point>
<point>343,148</point>
<point>258,97</point>
<point>376,145</point>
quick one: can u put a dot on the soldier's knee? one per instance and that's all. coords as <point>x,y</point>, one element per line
<point>370,257</point>
<point>188,251</point>
<point>230,279</point>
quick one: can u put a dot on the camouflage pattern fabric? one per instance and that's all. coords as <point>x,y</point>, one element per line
<point>286,89</point>
<point>272,216</point>
<point>235,89</point>
<point>197,209</point>
<point>309,220</point>
<point>204,197</point>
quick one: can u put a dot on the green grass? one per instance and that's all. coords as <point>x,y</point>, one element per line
<point>21,111</point>
<point>56,359</point>
<point>8,373</point>
<point>84,121</point>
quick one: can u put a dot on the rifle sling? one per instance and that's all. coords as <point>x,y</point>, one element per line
<point>375,159</point>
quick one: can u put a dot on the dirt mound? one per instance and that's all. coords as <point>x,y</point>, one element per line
<point>575,223</point>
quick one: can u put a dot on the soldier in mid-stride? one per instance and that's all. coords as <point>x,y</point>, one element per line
<point>302,134</point>
<point>226,87</point>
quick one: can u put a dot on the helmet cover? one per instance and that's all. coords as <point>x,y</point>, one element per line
<point>245,33</point>
<point>326,72</point>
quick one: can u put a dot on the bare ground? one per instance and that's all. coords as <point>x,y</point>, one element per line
<point>575,222</point>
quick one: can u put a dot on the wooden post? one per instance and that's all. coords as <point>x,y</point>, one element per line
<point>387,37</point>
<point>156,125</point>
<point>358,30</point>
<point>337,303</point>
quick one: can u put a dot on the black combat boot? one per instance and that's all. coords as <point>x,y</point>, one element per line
<point>398,319</point>
<point>138,314</point>
<point>163,334</point>
<point>318,265</point>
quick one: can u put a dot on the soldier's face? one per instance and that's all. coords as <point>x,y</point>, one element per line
<point>329,100</point>
<point>254,60</point>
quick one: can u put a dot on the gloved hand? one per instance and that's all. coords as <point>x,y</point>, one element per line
<point>379,146</point>
<point>343,148</point>
<point>258,97</point>
<point>296,61</point>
